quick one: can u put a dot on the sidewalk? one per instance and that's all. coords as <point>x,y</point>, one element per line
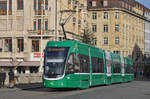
<point>22,87</point>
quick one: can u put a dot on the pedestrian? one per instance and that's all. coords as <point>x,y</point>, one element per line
<point>149,75</point>
<point>11,78</point>
<point>0,78</point>
<point>3,78</point>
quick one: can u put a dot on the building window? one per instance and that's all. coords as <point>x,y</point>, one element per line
<point>8,45</point>
<point>117,15</point>
<point>69,1</point>
<point>46,25</point>
<point>74,20</point>
<point>61,38</point>
<point>46,4</point>
<point>94,41</point>
<point>105,3</point>
<point>20,44</point>
<point>105,28</point>
<point>117,40</point>
<point>94,28</point>
<point>35,4</point>
<point>117,27</point>
<point>123,4</point>
<point>3,7</point>
<point>94,16</point>
<point>33,69</point>
<point>35,45</point>
<point>105,40</point>
<point>79,22</point>
<point>93,3</point>
<point>105,15</point>
<point>19,4</point>
<point>1,44</point>
<point>117,52</point>
<point>10,4</point>
<point>39,24</point>
<point>34,24</point>
<point>21,69</point>
<point>39,4</point>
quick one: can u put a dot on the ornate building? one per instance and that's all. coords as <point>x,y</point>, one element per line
<point>27,25</point>
<point>119,26</point>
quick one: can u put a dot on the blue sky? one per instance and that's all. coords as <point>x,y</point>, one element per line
<point>145,2</point>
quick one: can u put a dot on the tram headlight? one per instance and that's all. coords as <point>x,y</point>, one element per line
<point>59,76</point>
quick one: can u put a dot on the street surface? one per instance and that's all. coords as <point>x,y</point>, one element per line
<point>132,90</point>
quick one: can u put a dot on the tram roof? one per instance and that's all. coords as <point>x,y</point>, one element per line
<point>67,43</point>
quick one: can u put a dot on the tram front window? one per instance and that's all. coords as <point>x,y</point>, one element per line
<point>55,61</point>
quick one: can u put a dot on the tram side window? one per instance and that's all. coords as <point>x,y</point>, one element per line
<point>95,65</point>
<point>76,63</point>
<point>73,64</point>
<point>101,64</point>
<point>98,65</point>
<point>84,64</point>
<point>116,67</point>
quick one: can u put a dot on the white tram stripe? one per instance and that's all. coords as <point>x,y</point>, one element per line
<point>55,60</point>
<point>116,74</point>
<point>89,73</point>
<point>82,73</point>
<point>98,73</point>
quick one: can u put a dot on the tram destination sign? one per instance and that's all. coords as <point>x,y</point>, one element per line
<point>53,49</point>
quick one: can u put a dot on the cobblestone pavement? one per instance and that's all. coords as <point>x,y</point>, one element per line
<point>132,90</point>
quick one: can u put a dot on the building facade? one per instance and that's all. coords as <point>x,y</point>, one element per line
<point>147,32</point>
<point>27,25</point>
<point>119,26</point>
<point>75,13</point>
<point>147,41</point>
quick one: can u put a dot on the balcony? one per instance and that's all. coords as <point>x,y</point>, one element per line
<point>39,12</point>
<point>3,12</point>
<point>8,55</point>
<point>37,33</point>
<point>10,12</point>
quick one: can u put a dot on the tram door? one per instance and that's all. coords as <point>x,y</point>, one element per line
<point>108,67</point>
<point>73,69</point>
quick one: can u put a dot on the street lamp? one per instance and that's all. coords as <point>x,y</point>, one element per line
<point>41,38</point>
<point>56,28</point>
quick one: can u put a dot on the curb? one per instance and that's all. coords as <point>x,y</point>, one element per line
<point>28,88</point>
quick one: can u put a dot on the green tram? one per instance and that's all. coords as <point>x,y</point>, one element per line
<point>71,64</point>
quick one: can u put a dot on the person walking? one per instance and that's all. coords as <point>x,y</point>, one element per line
<point>11,78</point>
<point>3,78</point>
<point>0,78</point>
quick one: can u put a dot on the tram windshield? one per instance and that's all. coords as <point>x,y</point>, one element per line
<point>55,61</point>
